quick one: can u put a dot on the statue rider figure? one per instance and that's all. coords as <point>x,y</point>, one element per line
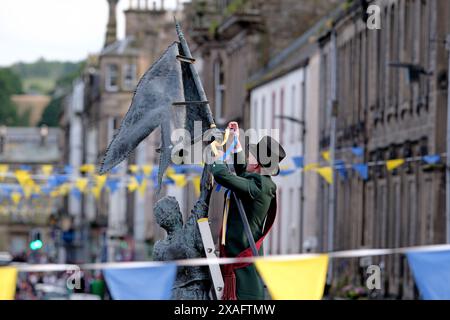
<point>184,241</point>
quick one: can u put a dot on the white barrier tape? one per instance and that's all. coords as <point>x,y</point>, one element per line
<point>204,262</point>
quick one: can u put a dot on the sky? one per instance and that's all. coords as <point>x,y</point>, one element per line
<point>65,30</point>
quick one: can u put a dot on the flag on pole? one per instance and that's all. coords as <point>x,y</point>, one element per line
<point>302,279</point>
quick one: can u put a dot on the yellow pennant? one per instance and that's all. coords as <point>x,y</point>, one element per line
<point>142,188</point>
<point>196,183</point>
<point>326,155</point>
<point>87,168</point>
<point>47,169</point>
<point>81,184</point>
<point>133,168</point>
<point>133,185</point>
<point>393,164</point>
<point>3,171</point>
<point>100,180</point>
<point>302,279</point>
<point>16,197</point>
<point>147,169</point>
<point>24,178</point>
<point>310,166</point>
<point>27,190</point>
<point>179,179</point>
<point>64,189</point>
<point>326,173</point>
<point>8,278</point>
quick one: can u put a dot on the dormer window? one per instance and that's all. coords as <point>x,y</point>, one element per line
<point>129,76</point>
<point>112,78</point>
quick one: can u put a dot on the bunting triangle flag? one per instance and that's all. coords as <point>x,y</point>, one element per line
<point>326,155</point>
<point>326,173</point>
<point>142,187</point>
<point>3,171</point>
<point>113,185</point>
<point>394,164</point>
<point>147,169</point>
<point>302,279</point>
<point>133,168</point>
<point>362,169</point>
<point>133,185</point>
<point>311,166</point>
<point>81,184</point>
<point>8,278</point>
<point>432,159</point>
<point>358,151</point>
<point>47,169</point>
<point>431,271</point>
<point>196,183</point>
<point>87,168</point>
<point>16,197</point>
<point>298,161</point>
<point>141,283</point>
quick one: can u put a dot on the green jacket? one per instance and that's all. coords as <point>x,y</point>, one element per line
<point>256,193</point>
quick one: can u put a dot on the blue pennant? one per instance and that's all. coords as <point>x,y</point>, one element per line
<point>432,159</point>
<point>362,169</point>
<point>358,151</point>
<point>112,184</point>
<point>139,177</point>
<point>68,169</point>
<point>298,161</point>
<point>340,168</point>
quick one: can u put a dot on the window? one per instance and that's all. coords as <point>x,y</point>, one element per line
<point>112,77</point>
<point>129,76</point>
<point>219,85</point>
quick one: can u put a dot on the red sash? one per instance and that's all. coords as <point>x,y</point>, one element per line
<point>228,270</point>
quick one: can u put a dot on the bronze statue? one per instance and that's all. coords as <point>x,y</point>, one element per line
<point>184,241</point>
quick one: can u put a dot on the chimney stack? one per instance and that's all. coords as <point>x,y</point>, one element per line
<point>111,28</point>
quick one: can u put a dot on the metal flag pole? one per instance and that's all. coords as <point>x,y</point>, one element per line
<point>202,94</point>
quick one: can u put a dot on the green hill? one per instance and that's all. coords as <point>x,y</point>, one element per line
<point>40,77</point>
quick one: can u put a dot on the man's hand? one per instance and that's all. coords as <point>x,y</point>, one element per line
<point>234,131</point>
<point>234,128</point>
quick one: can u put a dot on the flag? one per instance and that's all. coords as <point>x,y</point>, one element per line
<point>326,173</point>
<point>432,159</point>
<point>141,283</point>
<point>302,279</point>
<point>87,168</point>
<point>47,169</point>
<point>132,184</point>
<point>362,169</point>
<point>3,171</point>
<point>358,151</point>
<point>341,169</point>
<point>394,164</point>
<point>431,272</point>
<point>8,277</point>
<point>298,161</point>
<point>147,169</point>
<point>326,155</point>
<point>196,183</point>
<point>81,184</point>
<point>133,168</point>
<point>311,166</point>
<point>142,187</point>
<point>112,185</point>
<point>16,197</point>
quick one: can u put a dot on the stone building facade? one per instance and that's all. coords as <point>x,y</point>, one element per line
<point>392,116</point>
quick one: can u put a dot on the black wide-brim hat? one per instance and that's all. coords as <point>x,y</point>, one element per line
<point>268,153</point>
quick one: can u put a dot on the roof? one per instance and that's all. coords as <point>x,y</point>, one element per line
<point>121,47</point>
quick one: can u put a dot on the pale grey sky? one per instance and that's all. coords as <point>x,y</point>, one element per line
<point>56,29</point>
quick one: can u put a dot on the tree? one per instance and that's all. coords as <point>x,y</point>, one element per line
<point>10,84</point>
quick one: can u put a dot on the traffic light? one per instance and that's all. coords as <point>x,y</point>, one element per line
<point>36,241</point>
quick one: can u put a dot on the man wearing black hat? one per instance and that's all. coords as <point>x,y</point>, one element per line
<point>253,185</point>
